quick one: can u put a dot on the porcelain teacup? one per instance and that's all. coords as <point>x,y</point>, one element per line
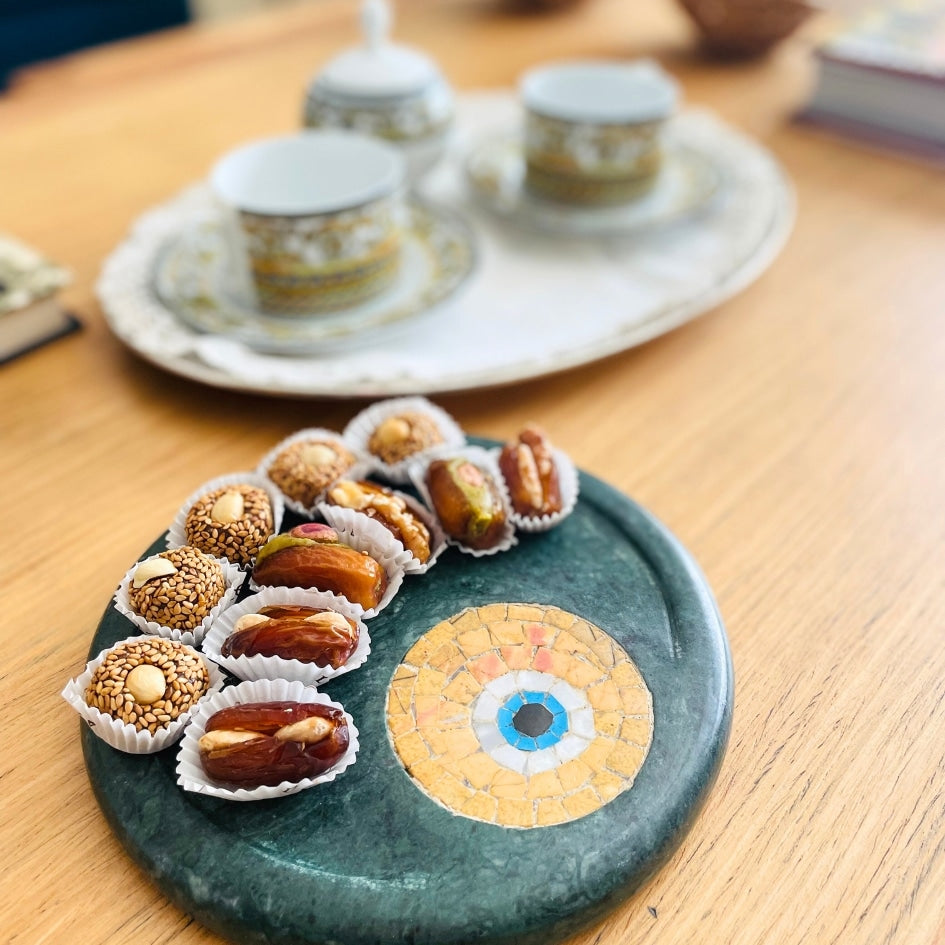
<point>593,130</point>
<point>313,219</point>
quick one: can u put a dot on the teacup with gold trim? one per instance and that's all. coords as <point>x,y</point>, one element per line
<point>593,130</point>
<point>314,220</point>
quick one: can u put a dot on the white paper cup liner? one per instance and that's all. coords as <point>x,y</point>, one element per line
<point>336,515</point>
<point>275,667</point>
<point>359,430</point>
<point>121,735</point>
<point>568,484</point>
<point>177,533</point>
<point>359,470</point>
<point>486,460</point>
<point>190,773</point>
<point>380,544</point>
<point>233,577</point>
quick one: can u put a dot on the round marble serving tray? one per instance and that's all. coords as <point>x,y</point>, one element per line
<point>375,857</point>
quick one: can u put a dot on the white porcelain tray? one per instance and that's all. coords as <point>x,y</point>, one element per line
<point>536,303</point>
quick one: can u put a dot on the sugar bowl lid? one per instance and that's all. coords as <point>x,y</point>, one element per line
<point>379,68</point>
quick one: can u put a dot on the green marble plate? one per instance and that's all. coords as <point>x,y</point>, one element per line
<point>370,859</point>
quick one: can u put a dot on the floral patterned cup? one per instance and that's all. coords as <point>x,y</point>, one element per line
<point>593,130</point>
<point>314,220</point>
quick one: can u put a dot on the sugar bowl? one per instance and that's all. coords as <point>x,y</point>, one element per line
<point>385,90</point>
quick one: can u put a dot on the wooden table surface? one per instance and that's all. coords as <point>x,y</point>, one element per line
<point>794,439</point>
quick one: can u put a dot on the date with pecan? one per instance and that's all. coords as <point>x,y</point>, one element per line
<point>294,632</point>
<point>266,743</point>
<point>528,467</point>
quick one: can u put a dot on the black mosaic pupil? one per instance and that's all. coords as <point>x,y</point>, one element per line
<point>532,719</point>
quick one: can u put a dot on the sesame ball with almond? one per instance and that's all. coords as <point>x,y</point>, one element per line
<point>231,522</point>
<point>307,467</point>
<point>148,683</point>
<point>177,588</point>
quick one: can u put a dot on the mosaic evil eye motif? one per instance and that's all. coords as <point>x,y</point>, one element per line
<point>519,715</point>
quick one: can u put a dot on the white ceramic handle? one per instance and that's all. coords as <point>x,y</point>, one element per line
<point>375,22</point>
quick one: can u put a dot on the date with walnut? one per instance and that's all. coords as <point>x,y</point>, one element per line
<point>266,743</point>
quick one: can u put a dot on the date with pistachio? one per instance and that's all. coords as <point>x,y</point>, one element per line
<point>467,501</point>
<point>311,555</point>
<point>266,743</point>
<point>528,467</point>
<point>294,632</point>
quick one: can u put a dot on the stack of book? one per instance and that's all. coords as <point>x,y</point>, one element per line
<point>883,77</point>
<point>30,313</point>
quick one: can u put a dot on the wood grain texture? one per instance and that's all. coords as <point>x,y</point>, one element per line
<point>793,439</point>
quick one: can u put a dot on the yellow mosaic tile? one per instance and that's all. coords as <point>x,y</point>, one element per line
<point>581,675</point>
<point>527,612</point>
<point>608,723</point>
<point>626,674</point>
<point>518,657</point>
<point>404,672</point>
<point>598,752</point>
<point>544,784</point>
<point>452,792</point>
<point>568,643</point>
<point>636,701</point>
<point>492,612</point>
<point>637,730</point>
<point>481,807</point>
<point>463,688</point>
<point>550,812</point>
<point>401,695</point>
<point>574,773</point>
<point>626,759</point>
<point>516,813</point>
<point>400,724</point>
<point>428,644</point>
<point>478,770</point>
<point>430,682</point>
<point>474,642</point>
<point>427,771</point>
<point>467,620</point>
<point>444,657</point>
<point>582,803</point>
<point>411,747</point>
<point>607,785</point>
<point>509,781</point>
<point>560,618</point>
<point>605,696</point>
<point>507,632</point>
<point>603,650</point>
<point>462,743</point>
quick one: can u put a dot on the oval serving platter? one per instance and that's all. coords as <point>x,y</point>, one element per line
<point>372,858</point>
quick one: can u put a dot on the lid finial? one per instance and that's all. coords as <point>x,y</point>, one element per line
<point>375,22</point>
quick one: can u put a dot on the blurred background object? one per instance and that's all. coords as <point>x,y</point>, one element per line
<point>33,30</point>
<point>881,76</point>
<point>745,27</point>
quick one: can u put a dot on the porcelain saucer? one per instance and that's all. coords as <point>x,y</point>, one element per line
<point>193,281</point>
<point>495,172</point>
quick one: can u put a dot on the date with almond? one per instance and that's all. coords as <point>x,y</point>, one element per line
<point>294,632</point>
<point>259,744</point>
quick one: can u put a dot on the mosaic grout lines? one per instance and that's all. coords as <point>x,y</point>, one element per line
<point>519,715</point>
